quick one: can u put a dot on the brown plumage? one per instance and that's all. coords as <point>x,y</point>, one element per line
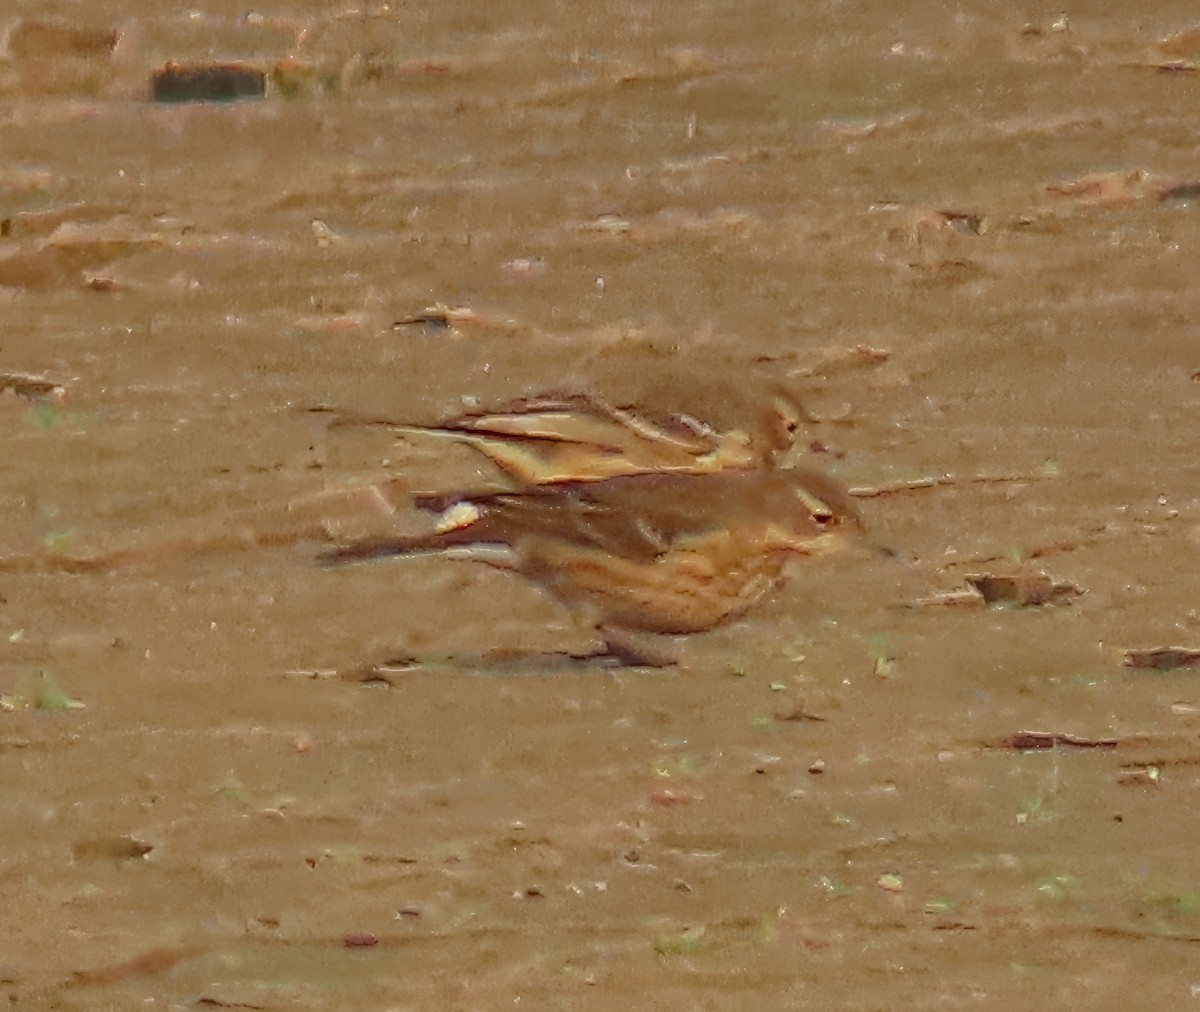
<point>654,553</point>
<point>576,437</point>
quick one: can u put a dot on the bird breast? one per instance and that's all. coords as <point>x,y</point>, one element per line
<point>698,584</point>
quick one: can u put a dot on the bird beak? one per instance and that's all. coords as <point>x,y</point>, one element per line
<point>828,517</point>
<point>781,420</point>
<point>822,513</point>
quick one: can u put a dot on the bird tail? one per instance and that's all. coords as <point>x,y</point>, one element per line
<point>380,548</point>
<point>448,545</point>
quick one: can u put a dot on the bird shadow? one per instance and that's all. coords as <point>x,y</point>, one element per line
<point>504,663</point>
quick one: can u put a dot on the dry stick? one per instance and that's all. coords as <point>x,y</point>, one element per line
<point>875,491</point>
<point>917,484</point>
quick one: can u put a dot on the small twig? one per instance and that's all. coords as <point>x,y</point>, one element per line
<point>1093,536</point>
<point>874,491</point>
<point>312,674</point>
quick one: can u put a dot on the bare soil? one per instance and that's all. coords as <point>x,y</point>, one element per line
<point>965,238</point>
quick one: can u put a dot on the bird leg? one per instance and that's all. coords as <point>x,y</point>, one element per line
<point>633,649</point>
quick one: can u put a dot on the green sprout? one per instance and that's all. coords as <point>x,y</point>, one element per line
<point>39,692</point>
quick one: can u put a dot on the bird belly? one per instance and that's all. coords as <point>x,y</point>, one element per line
<point>686,589</point>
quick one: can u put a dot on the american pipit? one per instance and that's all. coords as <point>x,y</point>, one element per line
<point>576,437</point>
<point>645,553</point>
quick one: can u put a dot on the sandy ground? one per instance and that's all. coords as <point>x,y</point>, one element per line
<point>674,212</point>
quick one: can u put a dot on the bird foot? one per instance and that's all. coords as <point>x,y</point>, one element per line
<point>632,649</point>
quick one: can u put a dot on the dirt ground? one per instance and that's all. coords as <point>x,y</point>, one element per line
<point>965,240</point>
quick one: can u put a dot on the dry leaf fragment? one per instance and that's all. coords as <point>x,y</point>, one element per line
<point>610,224</point>
<point>1030,741</point>
<point>441,317</point>
<point>1147,775</point>
<point>1181,192</point>
<point>1162,658</point>
<point>965,222</point>
<point>218,82</point>
<point>1024,589</point>
<point>31,387</point>
<point>102,283</point>
<point>1111,189</point>
<point>949,924</point>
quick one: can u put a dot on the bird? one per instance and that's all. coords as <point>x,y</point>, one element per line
<point>564,438</point>
<point>645,554</point>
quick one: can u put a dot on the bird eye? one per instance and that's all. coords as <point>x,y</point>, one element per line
<point>821,512</point>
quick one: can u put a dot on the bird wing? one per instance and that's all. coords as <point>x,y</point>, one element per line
<point>640,517</point>
<point>582,439</point>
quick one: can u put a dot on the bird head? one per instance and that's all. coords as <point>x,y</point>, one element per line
<point>829,505</point>
<point>824,500</point>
